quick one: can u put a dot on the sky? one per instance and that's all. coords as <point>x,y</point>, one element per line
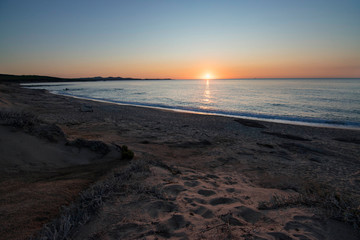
<point>181,39</point>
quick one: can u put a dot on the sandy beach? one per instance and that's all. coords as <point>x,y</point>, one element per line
<point>193,176</point>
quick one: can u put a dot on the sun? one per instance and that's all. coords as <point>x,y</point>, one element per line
<point>207,76</point>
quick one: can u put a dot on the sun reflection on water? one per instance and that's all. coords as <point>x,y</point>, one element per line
<point>207,95</point>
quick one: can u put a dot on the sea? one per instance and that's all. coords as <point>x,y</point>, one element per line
<point>320,102</point>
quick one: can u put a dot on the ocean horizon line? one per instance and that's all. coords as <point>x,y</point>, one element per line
<point>42,78</point>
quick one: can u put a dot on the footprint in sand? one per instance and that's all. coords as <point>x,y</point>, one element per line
<point>125,230</point>
<point>192,183</point>
<point>221,200</point>
<point>212,176</point>
<point>177,221</point>
<point>248,214</point>
<point>206,193</point>
<point>192,200</point>
<point>154,208</point>
<point>295,226</point>
<point>204,212</point>
<point>166,229</point>
<point>229,181</point>
<point>228,218</point>
<point>174,190</point>
<point>230,190</point>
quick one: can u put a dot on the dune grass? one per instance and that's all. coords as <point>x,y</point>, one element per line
<point>127,181</point>
<point>340,206</point>
<point>18,119</point>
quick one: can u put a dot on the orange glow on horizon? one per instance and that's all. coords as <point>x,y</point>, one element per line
<point>189,69</point>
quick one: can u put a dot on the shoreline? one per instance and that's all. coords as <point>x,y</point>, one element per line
<point>280,121</point>
<point>314,123</point>
<point>205,175</point>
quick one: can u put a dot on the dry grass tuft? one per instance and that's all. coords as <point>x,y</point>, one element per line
<point>18,119</point>
<point>342,207</point>
<point>128,181</point>
<point>31,124</point>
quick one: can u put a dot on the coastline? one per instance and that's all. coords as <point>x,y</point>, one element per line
<point>298,116</point>
<point>319,123</point>
<point>256,159</point>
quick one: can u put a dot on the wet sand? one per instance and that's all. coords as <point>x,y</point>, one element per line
<point>225,177</point>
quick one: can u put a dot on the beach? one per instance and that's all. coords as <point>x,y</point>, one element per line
<point>194,176</point>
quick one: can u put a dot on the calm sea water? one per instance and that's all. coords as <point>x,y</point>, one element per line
<point>307,101</point>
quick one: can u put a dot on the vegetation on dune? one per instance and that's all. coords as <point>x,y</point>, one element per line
<point>29,123</point>
<point>332,204</point>
<point>90,200</point>
<point>87,205</point>
<point>18,119</point>
<point>127,181</point>
<point>126,153</point>
<point>33,125</point>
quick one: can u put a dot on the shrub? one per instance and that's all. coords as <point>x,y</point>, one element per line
<point>126,153</point>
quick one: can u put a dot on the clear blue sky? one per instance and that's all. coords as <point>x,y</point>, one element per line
<point>181,39</point>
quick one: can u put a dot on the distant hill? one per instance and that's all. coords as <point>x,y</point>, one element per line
<point>37,78</point>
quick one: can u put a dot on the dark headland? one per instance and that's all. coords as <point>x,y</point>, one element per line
<point>37,79</point>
